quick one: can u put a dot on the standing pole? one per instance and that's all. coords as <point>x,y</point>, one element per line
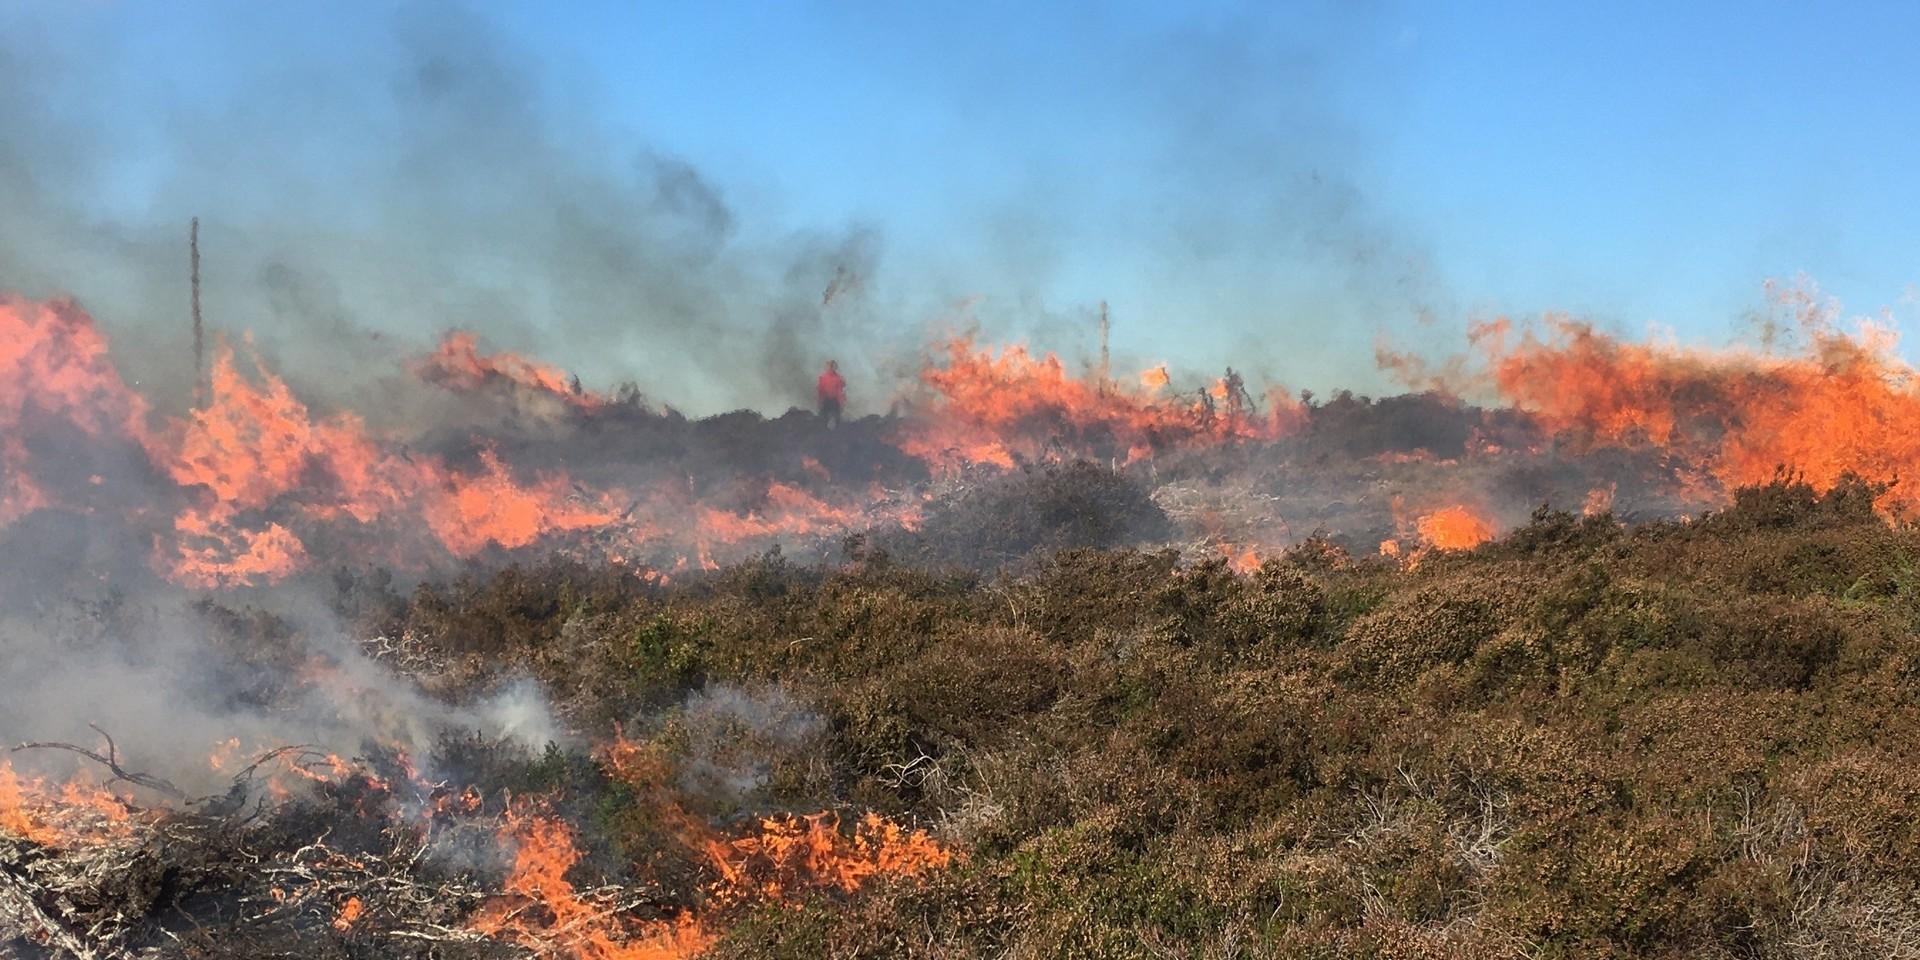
<point>199,340</point>
<point>1105,369</point>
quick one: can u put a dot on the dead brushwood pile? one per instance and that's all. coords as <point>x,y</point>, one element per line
<point>1582,739</point>
<point>323,876</point>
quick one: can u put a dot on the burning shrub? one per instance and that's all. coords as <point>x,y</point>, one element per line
<point>1789,501</point>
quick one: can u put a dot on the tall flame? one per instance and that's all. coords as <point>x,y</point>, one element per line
<point>1844,404</point>
<point>457,363</point>
<point>55,375</point>
<point>993,406</point>
<point>1454,528</point>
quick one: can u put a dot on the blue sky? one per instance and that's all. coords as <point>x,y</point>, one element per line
<point>1270,185</point>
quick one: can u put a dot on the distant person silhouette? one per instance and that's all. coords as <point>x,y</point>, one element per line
<point>832,389</point>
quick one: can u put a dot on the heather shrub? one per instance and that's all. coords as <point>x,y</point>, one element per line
<point>1581,740</point>
<point>1443,622</point>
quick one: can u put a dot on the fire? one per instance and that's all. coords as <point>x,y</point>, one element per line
<point>541,910</point>
<point>1845,403</point>
<point>457,364</point>
<point>255,449</point>
<point>797,853</point>
<point>253,486</point>
<point>212,554</point>
<point>59,387</point>
<point>72,813</point>
<point>249,445</point>
<point>1599,501</point>
<point>788,853</point>
<point>993,406</point>
<point>16,816</point>
<point>788,510</point>
<point>1454,528</point>
<point>1240,559</point>
<point>223,753</point>
<point>471,512</point>
<point>268,473</point>
<point>348,915</point>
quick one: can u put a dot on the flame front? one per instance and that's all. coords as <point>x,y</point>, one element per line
<point>58,388</point>
<point>252,486</point>
<point>1845,404</point>
<point>541,910</point>
<point>992,406</point>
<point>1454,528</point>
<point>458,364</point>
<point>791,854</point>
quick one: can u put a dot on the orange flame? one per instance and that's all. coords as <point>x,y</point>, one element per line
<point>1599,500</point>
<point>348,915</point>
<point>251,448</point>
<point>490,507</point>
<point>458,364</point>
<point>70,814</point>
<point>16,817</point>
<point>790,854</point>
<point>223,753</point>
<point>1846,403</point>
<point>54,373</point>
<point>256,449</point>
<point>542,911</point>
<point>995,406</point>
<point>1240,559</point>
<point>788,510</point>
<point>1454,528</point>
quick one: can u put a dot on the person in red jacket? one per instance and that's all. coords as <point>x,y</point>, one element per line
<point>832,389</point>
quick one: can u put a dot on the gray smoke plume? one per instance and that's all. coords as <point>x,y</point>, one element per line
<point>420,171</point>
<point>352,210</point>
<point>155,676</point>
<point>732,736</point>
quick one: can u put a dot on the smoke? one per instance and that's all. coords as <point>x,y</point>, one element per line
<point>354,209</point>
<point>172,682</point>
<point>355,205</point>
<point>733,736</point>
<point>1223,201</point>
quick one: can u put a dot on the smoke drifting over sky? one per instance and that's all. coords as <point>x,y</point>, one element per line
<point>423,169</point>
<point>668,196</point>
<point>423,184</point>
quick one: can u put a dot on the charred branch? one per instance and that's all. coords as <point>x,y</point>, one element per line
<point>110,760</point>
